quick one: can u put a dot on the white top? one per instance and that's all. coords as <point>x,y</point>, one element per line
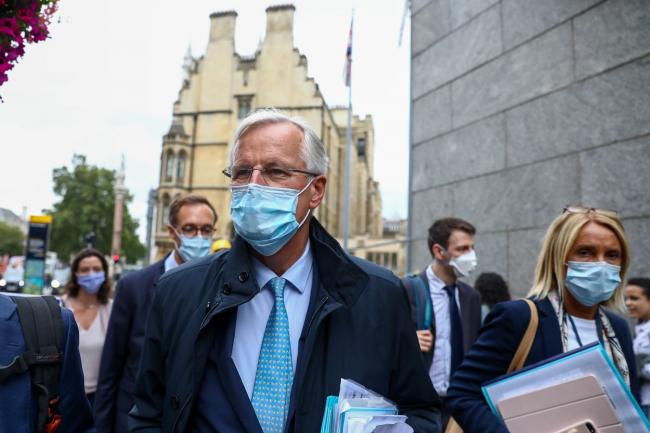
<point>642,347</point>
<point>441,366</point>
<point>586,330</point>
<point>253,315</point>
<point>91,343</point>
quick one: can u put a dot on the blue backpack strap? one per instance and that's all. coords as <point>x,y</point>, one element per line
<point>427,307</point>
<point>420,300</point>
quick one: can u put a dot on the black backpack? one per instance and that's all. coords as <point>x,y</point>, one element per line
<point>42,325</point>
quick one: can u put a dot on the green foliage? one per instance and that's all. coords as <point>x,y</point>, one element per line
<point>86,204</point>
<point>12,240</point>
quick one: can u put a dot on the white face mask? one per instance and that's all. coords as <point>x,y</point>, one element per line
<point>465,264</point>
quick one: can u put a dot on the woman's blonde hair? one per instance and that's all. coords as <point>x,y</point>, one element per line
<point>550,271</point>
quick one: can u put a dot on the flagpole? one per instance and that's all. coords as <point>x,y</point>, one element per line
<point>348,149</point>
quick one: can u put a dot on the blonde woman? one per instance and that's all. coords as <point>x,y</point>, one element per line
<point>581,269</point>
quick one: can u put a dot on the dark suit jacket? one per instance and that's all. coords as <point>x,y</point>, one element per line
<point>490,357</point>
<point>470,315</point>
<point>123,347</point>
<point>358,328</point>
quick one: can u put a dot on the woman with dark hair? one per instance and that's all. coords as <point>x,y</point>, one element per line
<point>637,301</point>
<point>87,295</point>
<point>493,289</point>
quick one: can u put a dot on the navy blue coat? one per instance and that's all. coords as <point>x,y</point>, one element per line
<point>359,329</point>
<point>123,348</point>
<point>18,406</point>
<point>494,349</point>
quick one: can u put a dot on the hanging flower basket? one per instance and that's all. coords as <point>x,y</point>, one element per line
<point>22,22</point>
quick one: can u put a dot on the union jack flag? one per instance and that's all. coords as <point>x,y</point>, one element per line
<point>348,57</point>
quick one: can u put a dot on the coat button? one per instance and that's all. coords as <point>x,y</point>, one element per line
<point>175,402</point>
<point>243,276</point>
<point>226,289</point>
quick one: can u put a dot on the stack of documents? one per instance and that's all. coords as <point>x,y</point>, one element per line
<point>360,410</point>
<point>580,390</point>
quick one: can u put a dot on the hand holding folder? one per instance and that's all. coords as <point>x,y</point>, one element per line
<point>360,410</point>
<point>576,390</point>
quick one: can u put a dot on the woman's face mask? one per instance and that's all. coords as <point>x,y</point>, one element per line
<point>591,283</point>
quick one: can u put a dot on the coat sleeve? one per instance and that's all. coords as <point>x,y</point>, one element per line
<point>411,386</point>
<point>488,358</point>
<point>114,357</point>
<point>76,416</point>
<point>146,415</point>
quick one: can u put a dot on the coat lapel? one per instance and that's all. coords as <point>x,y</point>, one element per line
<point>549,329</point>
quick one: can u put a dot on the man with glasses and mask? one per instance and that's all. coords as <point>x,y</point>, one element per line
<point>453,318</point>
<point>264,332</point>
<point>191,226</point>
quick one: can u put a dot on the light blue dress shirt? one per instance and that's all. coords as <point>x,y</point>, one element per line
<point>253,315</point>
<point>440,370</point>
<point>170,262</point>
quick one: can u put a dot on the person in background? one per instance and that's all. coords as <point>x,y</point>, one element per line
<point>455,305</point>
<point>191,225</point>
<point>637,301</point>
<point>493,289</point>
<point>581,266</point>
<point>19,411</point>
<point>87,295</point>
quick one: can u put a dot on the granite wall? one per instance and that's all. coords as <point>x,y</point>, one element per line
<point>520,107</point>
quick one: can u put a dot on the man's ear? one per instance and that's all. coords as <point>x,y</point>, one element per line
<point>438,252</point>
<point>318,186</point>
<point>172,234</point>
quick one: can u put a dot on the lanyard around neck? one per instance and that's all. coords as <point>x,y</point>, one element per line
<point>599,328</point>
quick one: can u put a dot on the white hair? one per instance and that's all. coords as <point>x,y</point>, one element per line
<point>313,152</point>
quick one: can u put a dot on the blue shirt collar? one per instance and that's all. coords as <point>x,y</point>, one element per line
<point>299,274</point>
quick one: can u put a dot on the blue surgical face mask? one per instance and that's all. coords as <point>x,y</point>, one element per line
<point>91,282</point>
<point>193,247</point>
<point>265,216</point>
<point>591,283</point>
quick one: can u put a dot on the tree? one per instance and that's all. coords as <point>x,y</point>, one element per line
<point>86,205</point>
<point>12,240</point>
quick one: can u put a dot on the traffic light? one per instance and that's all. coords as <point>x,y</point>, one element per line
<point>116,258</point>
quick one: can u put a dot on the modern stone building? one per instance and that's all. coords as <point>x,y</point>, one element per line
<point>520,107</point>
<point>221,88</point>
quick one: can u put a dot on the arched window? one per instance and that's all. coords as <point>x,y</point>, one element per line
<point>164,212</point>
<point>180,167</point>
<point>169,166</point>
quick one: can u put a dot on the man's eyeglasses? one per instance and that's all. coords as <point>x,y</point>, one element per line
<point>273,175</point>
<point>581,209</point>
<point>191,230</point>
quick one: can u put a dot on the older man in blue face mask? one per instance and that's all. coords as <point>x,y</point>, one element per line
<point>254,339</point>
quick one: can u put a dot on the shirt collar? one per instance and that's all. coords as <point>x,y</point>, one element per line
<point>170,262</point>
<point>436,283</point>
<point>298,274</point>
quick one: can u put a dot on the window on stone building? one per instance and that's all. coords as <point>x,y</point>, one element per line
<point>244,108</point>
<point>169,166</point>
<point>180,167</point>
<point>361,147</point>
<point>369,256</point>
<point>393,261</point>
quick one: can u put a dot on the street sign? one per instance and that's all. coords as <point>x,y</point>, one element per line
<point>37,239</point>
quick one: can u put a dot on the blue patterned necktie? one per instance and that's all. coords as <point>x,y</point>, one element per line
<point>274,376</point>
